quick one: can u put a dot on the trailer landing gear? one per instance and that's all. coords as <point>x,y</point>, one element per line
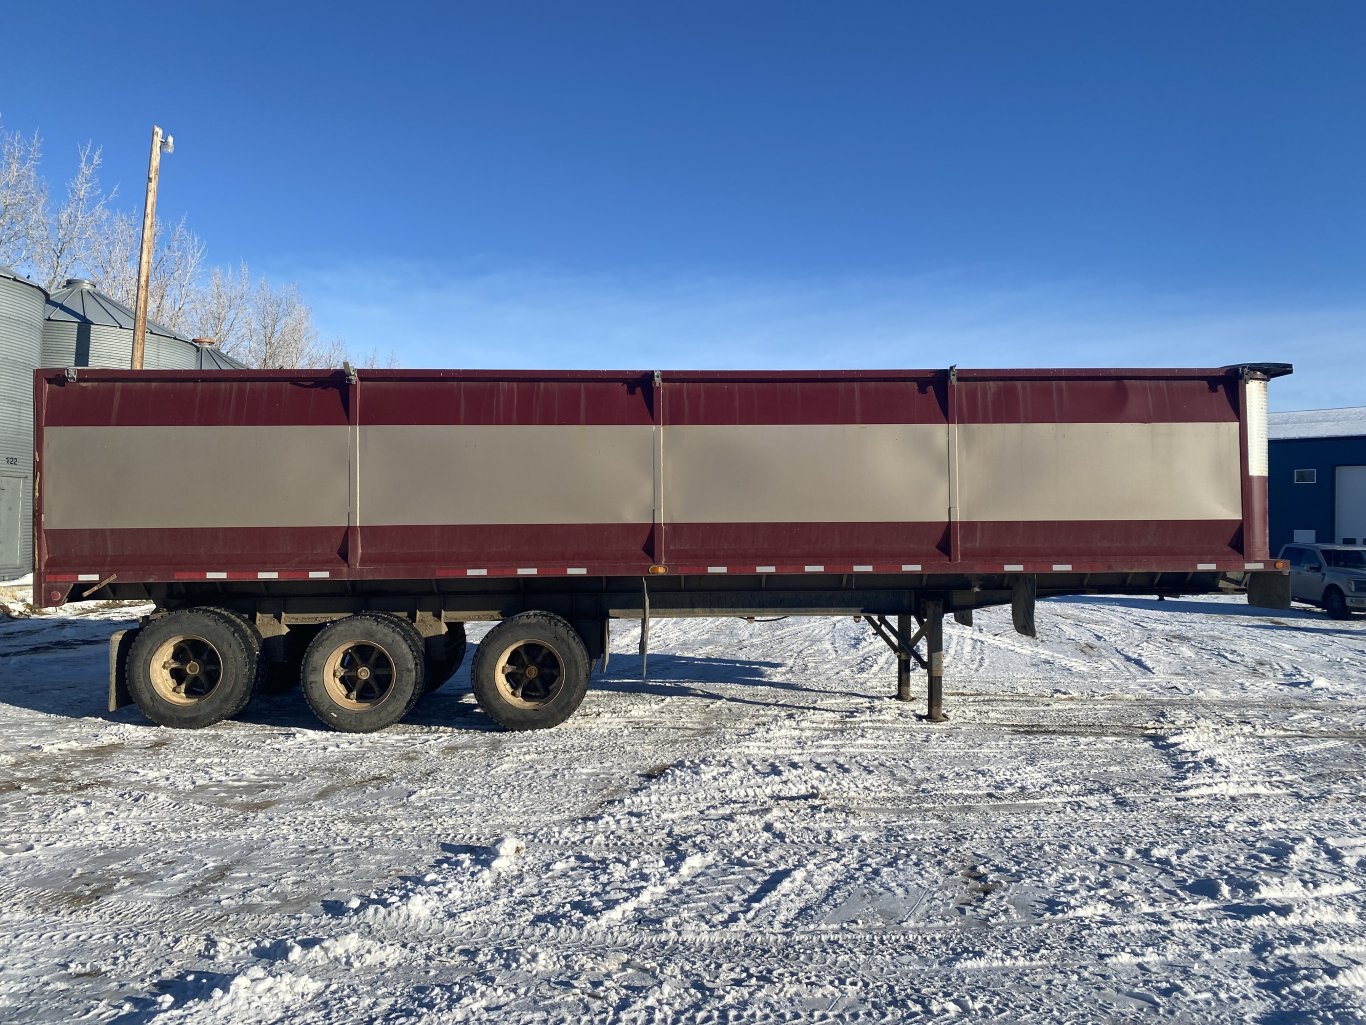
<point>931,630</point>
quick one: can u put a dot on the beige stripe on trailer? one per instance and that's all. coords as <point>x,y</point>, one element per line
<point>506,474</point>
<point>125,477</point>
<point>140,477</point>
<point>805,473</point>
<point>1041,472</point>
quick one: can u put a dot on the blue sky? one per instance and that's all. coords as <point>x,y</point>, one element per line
<point>768,184</point>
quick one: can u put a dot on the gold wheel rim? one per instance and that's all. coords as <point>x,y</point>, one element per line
<point>185,669</point>
<point>359,675</point>
<point>529,674</point>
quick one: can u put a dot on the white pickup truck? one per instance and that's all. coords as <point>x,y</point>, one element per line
<point>1332,577</point>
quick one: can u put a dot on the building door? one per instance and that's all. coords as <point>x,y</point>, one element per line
<point>1349,525</point>
<point>11,527</point>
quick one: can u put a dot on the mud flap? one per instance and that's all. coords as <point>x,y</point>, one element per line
<point>119,643</point>
<point>1268,590</point>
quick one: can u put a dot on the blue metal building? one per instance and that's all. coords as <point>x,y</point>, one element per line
<point>1317,484</point>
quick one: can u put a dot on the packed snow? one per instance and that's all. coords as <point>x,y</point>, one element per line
<point>1153,811</point>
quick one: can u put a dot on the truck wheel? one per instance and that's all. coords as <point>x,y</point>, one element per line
<point>445,654</point>
<point>251,637</point>
<point>1335,604</point>
<point>530,672</point>
<point>190,669</point>
<point>363,673</point>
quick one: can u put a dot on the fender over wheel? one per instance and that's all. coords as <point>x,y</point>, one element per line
<point>530,672</point>
<point>363,673</point>
<point>191,669</point>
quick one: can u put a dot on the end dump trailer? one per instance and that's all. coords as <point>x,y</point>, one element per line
<point>342,527</point>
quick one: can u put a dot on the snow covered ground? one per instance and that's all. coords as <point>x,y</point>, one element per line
<point>1154,811</point>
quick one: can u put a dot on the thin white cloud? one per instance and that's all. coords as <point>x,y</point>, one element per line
<point>443,317</point>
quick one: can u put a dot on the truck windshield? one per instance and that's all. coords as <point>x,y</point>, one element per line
<point>1345,560</point>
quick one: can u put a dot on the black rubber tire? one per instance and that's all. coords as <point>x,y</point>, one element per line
<point>1335,604</point>
<point>445,655</point>
<point>251,637</point>
<point>415,645</point>
<point>389,645</point>
<point>153,672</point>
<point>541,638</point>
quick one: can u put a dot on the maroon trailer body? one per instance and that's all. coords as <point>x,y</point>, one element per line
<point>372,513</point>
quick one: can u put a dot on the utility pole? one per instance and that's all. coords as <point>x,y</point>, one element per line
<point>149,212</point>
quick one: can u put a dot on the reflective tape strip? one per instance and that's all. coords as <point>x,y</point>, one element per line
<point>526,571</point>
<point>1254,565</point>
<point>476,572</point>
<point>1205,565</point>
<point>863,569</point>
<point>577,571</point>
<point>815,569</point>
<point>716,569</point>
<point>87,576</point>
<point>765,569</point>
<point>267,575</point>
<point>1059,567</point>
<point>215,576</point>
<point>318,574</point>
<point>911,568</point>
<point>1014,567</point>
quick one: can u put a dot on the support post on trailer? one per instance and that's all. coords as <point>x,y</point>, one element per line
<point>934,650</point>
<point>903,662</point>
<point>902,646</point>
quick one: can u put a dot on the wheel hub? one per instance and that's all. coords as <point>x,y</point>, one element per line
<point>360,675</point>
<point>530,673</point>
<point>187,669</point>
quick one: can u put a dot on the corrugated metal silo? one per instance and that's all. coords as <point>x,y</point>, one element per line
<point>21,338</point>
<point>86,328</point>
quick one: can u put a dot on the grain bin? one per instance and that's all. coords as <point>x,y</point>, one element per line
<point>86,328</point>
<point>21,336</point>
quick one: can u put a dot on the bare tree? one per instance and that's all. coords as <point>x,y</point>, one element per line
<point>75,229</point>
<point>175,278</point>
<point>23,197</point>
<point>219,306</point>
<point>279,332</point>
<point>113,262</point>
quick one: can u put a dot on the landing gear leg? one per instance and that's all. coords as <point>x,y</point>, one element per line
<point>903,645</point>
<point>903,663</point>
<point>934,647</point>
